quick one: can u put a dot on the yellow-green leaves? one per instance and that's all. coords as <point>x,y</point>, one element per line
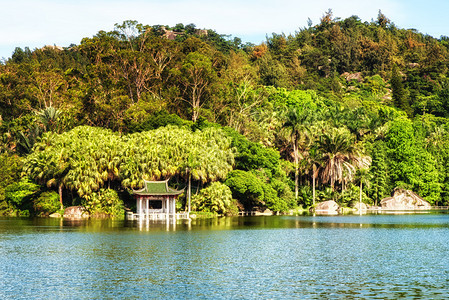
<point>86,159</point>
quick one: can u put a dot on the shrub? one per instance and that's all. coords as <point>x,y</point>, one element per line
<point>47,203</point>
<point>246,188</point>
<point>104,202</point>
<point>159,119</point>
<point>216,198</point>
<point>18,196</point>
<point>19,193</point>
<point>255,190</point>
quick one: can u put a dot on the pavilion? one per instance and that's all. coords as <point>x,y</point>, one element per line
<point>156,201</point>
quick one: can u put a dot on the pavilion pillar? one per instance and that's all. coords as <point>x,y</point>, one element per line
<point>167,209</point>
<point>173,204</point>
<point>148,207</point>
<point>140,209</point>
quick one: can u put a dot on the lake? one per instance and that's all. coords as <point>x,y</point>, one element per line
<point>279,257</point>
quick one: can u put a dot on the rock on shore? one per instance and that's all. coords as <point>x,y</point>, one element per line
<point>404,200</point>
<point>327,207</point>
<point>76,212</point>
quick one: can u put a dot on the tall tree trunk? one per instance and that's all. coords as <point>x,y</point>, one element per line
<point>296,169</point>
<point>189,192</point>
<point>360,200</point>
<point>60,195</point>
<point>313,184</point>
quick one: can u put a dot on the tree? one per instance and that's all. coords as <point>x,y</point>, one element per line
<point>296,122</point>
<point>246,188</point>
<point>363,177</point>
<point>82,159</point>
<point>19,194</point>
<point>216,198</point>
<point>47,86</point>
<point>10,169</point>
<point>340,156</point>
<point>379,172</point>
<point>410,164</point>
<point>399,96</point>
<point>133,63</point>
<point>191,165</point>
<point>196,76</point>
<point>252,155</point>
<point>382,20</point>
<point>204,155</point>
<point>48,117</point>
<point>49,167</point>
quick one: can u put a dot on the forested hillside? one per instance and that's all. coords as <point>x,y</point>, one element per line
<point>315,115</point>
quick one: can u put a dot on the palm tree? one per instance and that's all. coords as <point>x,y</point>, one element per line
<point>49,167</point>
<point>49,118</point>
<point>363,177</point>
<point>26,141</point>
<point>296,123</point>
<point>191,166</point>
<point>210,157</point>
<point>340,156</point>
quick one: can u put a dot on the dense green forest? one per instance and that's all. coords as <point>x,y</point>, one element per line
<point>336,107</point>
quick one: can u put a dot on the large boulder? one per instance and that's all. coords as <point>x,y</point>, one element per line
<point>76,212</point>
<point>404,200</point>
<point>327,207</point>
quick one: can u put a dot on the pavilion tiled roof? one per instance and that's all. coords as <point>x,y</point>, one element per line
<point>157,188</point>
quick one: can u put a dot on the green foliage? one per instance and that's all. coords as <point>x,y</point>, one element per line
<point>258,191</point>
<point>160,119</point>
<point>379,188</point>
<point>88,159</point>
<point>10,169</point>
<point>340,83</point>
<point>351,196</point>
<point>401,147</point>
<point>272,72</point>
<point>399,96</point>
<point>18,198</point>
<point>284,194</point>
<point>104,202</point>
<point>20,192</point>
<point>278,196</point>
<point>374,85</point>
<point>166,152</point>
<point>307,99</point>
<point>409,161</point>
<point>339,156</point>
<point>216,198</point>
<point>82,159</point>
<point>246,188</point>
<point>251,155</point>
<point>305,195</point>
<point>46,204</point>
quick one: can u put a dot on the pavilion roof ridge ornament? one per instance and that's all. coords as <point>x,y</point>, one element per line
<point>158,181</point>
<point>139,190</point>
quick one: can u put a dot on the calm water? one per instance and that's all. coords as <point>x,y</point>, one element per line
<point>341,257</point>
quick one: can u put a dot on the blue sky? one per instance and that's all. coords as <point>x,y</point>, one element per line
<point>36,23</point>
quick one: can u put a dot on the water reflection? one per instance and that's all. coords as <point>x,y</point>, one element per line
<point>229,223</point>
<point>314,257</point>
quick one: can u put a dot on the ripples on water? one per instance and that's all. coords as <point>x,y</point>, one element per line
<point>338,257</point>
